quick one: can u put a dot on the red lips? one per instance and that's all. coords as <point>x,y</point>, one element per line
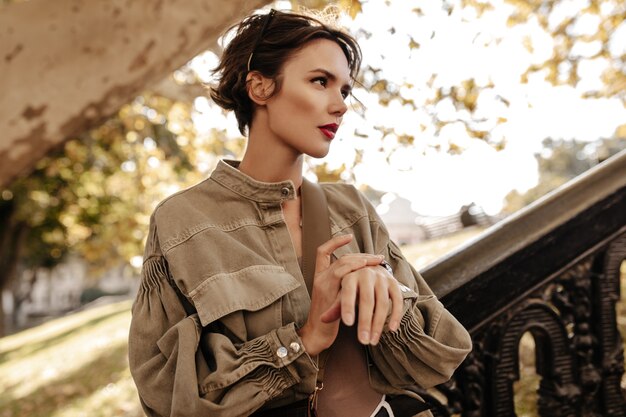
<point>329,130</point>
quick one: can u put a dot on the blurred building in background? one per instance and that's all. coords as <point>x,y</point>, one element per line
<point>68,287</point>
<point>406,227</point>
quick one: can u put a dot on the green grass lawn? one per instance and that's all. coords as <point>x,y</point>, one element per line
<point>423,253</point>
<point>70,367</point>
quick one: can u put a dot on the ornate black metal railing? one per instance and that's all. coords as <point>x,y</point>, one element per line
<point>553,270</point>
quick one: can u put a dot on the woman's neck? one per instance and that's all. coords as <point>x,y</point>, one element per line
<point>264,160</point>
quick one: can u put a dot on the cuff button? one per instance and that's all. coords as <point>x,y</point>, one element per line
<point>281,352</point>
<point>295,347</point>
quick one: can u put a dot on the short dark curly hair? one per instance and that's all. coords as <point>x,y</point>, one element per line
<point>263,43</point>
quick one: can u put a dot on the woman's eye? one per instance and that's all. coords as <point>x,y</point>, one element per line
<point>321,81</point>
<point>345,94</point>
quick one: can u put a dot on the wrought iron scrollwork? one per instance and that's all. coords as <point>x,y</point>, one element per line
<point>579,352</point>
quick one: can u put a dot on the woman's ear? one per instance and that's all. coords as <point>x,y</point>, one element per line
<point>260,88</point>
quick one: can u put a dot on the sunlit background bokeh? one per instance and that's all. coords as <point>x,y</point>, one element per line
<point>464,106</point>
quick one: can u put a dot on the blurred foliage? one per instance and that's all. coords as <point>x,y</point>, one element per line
<point>94,195</point>
<point>91,195</point>
<point>350,7</point>
<point>562,67</point>
<point>561,161</point>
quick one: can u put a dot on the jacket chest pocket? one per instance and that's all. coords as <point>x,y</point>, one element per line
<point>246,302</point>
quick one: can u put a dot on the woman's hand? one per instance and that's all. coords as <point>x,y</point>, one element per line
<point>376,291</point>
<point>318,334</point>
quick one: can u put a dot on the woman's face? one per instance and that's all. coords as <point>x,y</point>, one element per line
<point>306,112</point>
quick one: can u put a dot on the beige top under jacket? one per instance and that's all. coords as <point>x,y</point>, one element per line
<point>233,347</point>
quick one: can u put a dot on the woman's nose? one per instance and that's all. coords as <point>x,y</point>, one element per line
<point>338,106</point>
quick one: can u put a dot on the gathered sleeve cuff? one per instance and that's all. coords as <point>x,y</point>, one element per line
<point>272,363</point>
<point>426,349</point>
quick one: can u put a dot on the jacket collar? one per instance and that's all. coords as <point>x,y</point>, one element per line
<point>227,174</point>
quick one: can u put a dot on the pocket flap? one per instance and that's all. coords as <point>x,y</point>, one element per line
<point>251,289</point>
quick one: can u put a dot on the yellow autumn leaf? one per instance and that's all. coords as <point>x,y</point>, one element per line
<point>352,7</point>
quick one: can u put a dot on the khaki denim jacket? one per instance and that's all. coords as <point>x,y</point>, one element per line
<point>222,341</point>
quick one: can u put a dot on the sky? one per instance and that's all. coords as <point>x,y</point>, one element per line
<point>465,46</point>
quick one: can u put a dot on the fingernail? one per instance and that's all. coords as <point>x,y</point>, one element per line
<point>365,337</point>
<point>349,319</point>
<point>374,339</point>
<point>393,326</point>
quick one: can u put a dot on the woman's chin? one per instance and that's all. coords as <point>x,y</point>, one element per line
<point>318,153</point>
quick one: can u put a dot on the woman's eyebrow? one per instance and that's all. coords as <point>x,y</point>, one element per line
<point>332,77</point>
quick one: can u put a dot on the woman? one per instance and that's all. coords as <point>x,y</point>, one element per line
<point>223,323</point>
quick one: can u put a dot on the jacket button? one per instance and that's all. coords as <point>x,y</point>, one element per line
<point>295,347</point>
<point>282,352</point>
<point>285,191</point>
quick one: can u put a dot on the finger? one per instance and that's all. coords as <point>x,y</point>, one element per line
<point>370,259</point>
<point>326,249</point>
<point>372,256</point>
<point>366,308</point>
<point>333,313</point>
<point>346,265</point>
<point>381,309</point>
<point>348,299</point>
<point>397,302</point>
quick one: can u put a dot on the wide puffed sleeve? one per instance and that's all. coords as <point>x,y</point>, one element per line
<point>182,368</point>
<point>430,343</point>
